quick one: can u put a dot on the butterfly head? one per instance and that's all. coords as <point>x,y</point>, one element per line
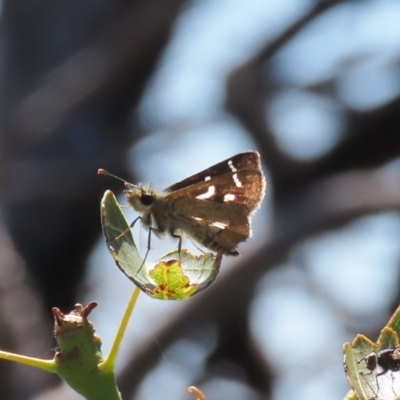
<point>139,197</point>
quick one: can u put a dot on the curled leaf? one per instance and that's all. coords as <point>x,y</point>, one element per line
<point>174,277</point>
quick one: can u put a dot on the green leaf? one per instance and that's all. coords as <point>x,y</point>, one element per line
<point>350,395</point>
<point>394,322</point>
<point>174,277</point>
<point>365,383</point>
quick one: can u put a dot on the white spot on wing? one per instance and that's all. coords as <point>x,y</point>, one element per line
<point>198,218</point>
<point>229,197</point>
<point>210,192</point>
<point>231,166</point>
<point>207,178</point>
<point>236,180</point>
<point>219,225</point>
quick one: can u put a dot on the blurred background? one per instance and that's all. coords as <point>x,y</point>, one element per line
<point>157,90</point>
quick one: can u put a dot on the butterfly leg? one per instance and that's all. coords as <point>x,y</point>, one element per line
<point>130,227</point>
<point>148,246</point>
<point>179,237</point>
<point>148,243</point>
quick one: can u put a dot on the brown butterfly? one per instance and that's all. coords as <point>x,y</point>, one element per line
<point>212,207</point>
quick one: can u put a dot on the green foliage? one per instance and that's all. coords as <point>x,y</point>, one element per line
<point>79,361</point>
<point>365,383</point>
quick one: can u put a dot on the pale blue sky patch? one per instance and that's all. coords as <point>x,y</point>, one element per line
<point>305,125</point>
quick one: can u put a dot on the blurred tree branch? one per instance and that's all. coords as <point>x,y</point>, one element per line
<point>66,112</point>
<point>322,207</point>
<point>71,74</point>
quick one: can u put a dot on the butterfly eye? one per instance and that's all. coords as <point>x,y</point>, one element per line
<point>146,199</point>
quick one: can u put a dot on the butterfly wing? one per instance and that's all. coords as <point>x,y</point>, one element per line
<point>243,161</point>
<point>217,229</point>
<point>214,206</point>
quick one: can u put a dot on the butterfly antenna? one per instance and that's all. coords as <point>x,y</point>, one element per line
<point>101,171</point>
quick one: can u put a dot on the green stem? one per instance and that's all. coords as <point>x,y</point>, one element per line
<point>47,365</point>
<point>109,362</point>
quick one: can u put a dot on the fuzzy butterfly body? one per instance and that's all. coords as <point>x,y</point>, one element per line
<point>213,207</point>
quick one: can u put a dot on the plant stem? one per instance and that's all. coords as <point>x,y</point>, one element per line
<point>109,363</point>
